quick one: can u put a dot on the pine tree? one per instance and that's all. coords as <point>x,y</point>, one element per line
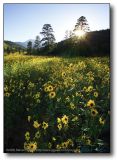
<point>29,47</point>
<point>48,36</point>
<point>37,42</point>
<point>82,24</point>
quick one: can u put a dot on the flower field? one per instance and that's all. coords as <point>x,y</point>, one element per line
<point>54,104</point>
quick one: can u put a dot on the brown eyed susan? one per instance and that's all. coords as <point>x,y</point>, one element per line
<point>46,89</point>
<point>37,134</point>
<point>27,136</point>
<point>101,121</point>
<point>63,74</point>
<point>32,147</point>
<point>96,94</point>
<point>64,145</point>
<point>90,88</point>
<point>50,88</point>
<point>90,103</point>
<point>52,95</point>
<point>94,112</point>
<point>65,119</point>
<point>44,125</point>
<point>36,124</point>
<point>59,126</point>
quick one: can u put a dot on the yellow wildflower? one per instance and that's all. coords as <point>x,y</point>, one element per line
<point>94,112</point>
<point>71,65</point>
<point>26,146</point>
<point>46,89</point>
<point>88,142</point>
<point>70,142</point>
<point>68,99</point>
<point>27,136</point>
<point>77,94</point>
<point>37,134</point>
<point>32,147</point>
<point>102,120</point>
<point>52,95</point>
<point>90,88</point>
<point>6,88</point>
<point>31,85</point>
<point>58,146</point>
<point>63,74</point>
<point>7,94</point>
<point>29,118</point>
<point>95,94</point>
<point>84,88</point>
<point>59,126</point>
<point>53,138</point>
<point>77,150</point>
<point>44,125</point>
<point>75,119</point>
<point>65,119</point>
<point>58,120</point>
<point>58,99</point>
<point>36,124</point>
<point>49,145</point>
<point>72,106</point>
<point>91,103</point>
<point>64,145</point>
<point>83,136</point>
<point>50,88</point>
<point>37,95</point>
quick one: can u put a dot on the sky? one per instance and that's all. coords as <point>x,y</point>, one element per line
<point>25,21</point>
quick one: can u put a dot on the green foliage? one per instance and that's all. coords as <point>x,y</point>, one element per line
<point>82,24</point>
<point>37,43</point>
<point>11,47</point>
<point>48,36</point>
<point>95,43</point>
<point>29,47</point>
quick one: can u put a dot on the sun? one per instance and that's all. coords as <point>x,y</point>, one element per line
<point>80,33</point>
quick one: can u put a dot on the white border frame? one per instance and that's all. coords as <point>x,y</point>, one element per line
<point>67,156</point>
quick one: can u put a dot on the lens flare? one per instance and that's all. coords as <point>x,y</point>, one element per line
<point>80,33</point>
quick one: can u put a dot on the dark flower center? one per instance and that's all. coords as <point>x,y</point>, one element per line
<point>93,112</point>
<point>31,146</point>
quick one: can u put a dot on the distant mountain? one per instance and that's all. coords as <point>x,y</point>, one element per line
<point>24,44</point>
<point>10,44</point>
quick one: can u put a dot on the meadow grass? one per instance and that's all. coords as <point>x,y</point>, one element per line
<point>57,104</point>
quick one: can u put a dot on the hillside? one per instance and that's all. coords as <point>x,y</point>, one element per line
<point>12,44</point>
<point>96,43</point>
<point>12,47</point>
